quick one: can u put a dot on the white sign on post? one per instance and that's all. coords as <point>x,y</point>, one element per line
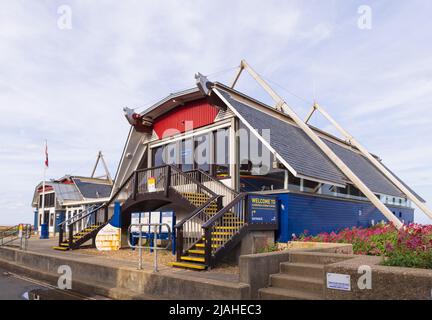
<point>167,217</point>
<point>338,281</point>
<point>135,219</point>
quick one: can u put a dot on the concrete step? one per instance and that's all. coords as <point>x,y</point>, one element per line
<point>273,293</point>
<point>188,265</point>
<point>196,251</point>
<point>303,269</point>
<point>193,259</point>
<point>306,284</point>
<point>60,248</point>
<point>318,257</point>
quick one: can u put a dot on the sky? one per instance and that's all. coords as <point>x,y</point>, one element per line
<point>67,69</point>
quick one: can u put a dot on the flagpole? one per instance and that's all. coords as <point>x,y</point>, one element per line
<point>43,188</point>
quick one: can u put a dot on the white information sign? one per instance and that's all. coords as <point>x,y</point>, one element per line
<point>135,219</point>
<point>338,281</point>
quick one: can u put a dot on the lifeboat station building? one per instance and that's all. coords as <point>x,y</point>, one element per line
<point>235,173</point>
<point>66,199</point>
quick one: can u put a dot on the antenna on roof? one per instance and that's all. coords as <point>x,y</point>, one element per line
<point>107,175</point>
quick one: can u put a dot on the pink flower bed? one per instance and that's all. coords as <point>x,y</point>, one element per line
<point>408,247</point>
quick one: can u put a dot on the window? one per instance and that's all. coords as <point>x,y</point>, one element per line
<point>221,151</point>
<point>172,153</point>
<point>310,186</point>
<point>187,155</point>
<point>203,152</point>
<point>328,190</point>
<point>259,170</point>
<point>293,183</point>
<point>51,222</point>
<point>49,200</point>
<point>342,191</point>
<point>157,159</point>
<point>45,217</point>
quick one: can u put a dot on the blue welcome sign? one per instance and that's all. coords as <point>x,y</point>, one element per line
<point>263,209</point>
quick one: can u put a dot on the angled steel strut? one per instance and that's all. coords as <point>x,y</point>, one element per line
<point>389,175</point>
<point>281,105</point>
<point>100,157</point>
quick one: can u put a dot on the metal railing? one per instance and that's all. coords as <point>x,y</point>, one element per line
<point>215,185</point>
<point>189,231</point>
<point>154,247</point>
<point>93,216</point>
<point>224,226</point>
<point>21,232</point>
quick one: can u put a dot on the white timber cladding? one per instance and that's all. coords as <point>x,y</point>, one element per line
<point>134,151</point>
<point>320,143</point>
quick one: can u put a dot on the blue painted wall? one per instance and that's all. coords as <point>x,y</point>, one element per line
<point>59,218</point>
<point>36,220</point>
<point>317,214</point>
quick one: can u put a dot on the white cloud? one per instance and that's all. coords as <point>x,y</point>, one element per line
<point>70,85</point>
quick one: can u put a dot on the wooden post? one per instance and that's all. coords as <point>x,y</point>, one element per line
<point>167,180</point>
<point>135,188</point>
<point>219,204</point>
<point>106,213</point>
<point>60,234</point>
<point>208,247</point>
<point>179,242</point>
<point>71,227</point>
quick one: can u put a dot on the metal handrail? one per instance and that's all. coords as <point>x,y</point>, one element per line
<point>197,211</point>
<point>3,232</point>
<point>155,226</point>
<point>14,232</point>
<point>224,210</point>
<point>184,174</point>
<point>75,218</point>
<point>232,191</point>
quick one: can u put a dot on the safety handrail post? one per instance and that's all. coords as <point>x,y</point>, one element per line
<point>219,204</point>
<point>60,234</point>
<point>106,214</point>
<point>154,245</point>
<point>208,247</point>
<point>179,242</point>
<point>71,227</point>
<point>167,180</point>
<point>135,186</point>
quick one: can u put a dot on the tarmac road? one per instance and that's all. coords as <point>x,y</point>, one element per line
<point>15,287</point>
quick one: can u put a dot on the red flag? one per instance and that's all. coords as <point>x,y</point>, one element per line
<point>46,155</point>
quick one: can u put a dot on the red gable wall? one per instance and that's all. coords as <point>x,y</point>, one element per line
<point>192,115</point>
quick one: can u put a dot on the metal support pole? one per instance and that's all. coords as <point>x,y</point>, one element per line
<point>71,230</point>
<point>140,248</point>
<point>155,261</point>
<point>60,233</point>
<point>376,162</point>
<point>321,144</point>
<point>237,76</point>
<point>167,180</point>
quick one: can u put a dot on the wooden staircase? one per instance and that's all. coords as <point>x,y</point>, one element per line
<point>194,258</point>
<point>207,235</point>
<point>80,238</point>
<point>216,225</point>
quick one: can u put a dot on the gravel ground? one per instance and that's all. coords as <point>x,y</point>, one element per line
<point>164,257</point>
